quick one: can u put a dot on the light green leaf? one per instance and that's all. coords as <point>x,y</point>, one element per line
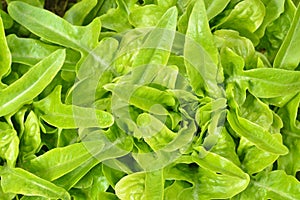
<point>256,134</point>
<point>31,84</point>
<point>9,145</point>
<point>217,163</point>
<point>116,19</point>
<point>276,31</point>
<point>140,186</point>
<point>5,56</point>
<point>257,112</point>
<point>33,51</point>
<point>290,116</point>
<point>59,161</point>
<point>155,133</point>
<point>198,31</point>
<point>241,46</point>
<point>19,181</point>
<point>115,147</point>
<point>215,7</point>
<point>30,140</point>
<point>216,186</point>
<point>172,192</point>
<point>54,112</point>
<point>157,47</point>
<point>245,17</point>
<point>273,185</point>
<point>147,98</point>
<point>98,60</point>
<point>226,148</point>
<point>270,82</point>
<point>290,163</point>
<point>249,155</point>
<point>77,13</point>
<point>146,16</point>
<point>8,22</point>
<point>54,29</point>
<point>6,196</point>
<point>273,10</point>
<point>37,3</point>
<point>209,180</point>
<point>288,56</point>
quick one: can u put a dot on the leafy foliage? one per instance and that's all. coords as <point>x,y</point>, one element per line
<point>153,99</point>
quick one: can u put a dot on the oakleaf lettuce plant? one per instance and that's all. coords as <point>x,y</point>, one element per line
<point>153,99</point>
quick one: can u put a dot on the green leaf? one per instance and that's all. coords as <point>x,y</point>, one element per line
<point>241,46</point>
<point>166,3</point>
<point>60,161</point>
<point>30,140</point>
<point>116,19</point>
<point>269,83</point>
<point>31,84</point>
<point>147,98</point>
<point>217,163</point>
<point>9,145</point>
<point>95,11</point>
<point>112,175</point>
<point>256,134</point>
<point>88,91</point>
<point>54,29</point>
<point>289,113</point>
<point>113,148</point>
<point>200,54</point>
<point>37,3</point>
<point>209,180</point>
<point>215,7</point>
<point>140,186</point>
<point>77,13</point>
<point>98,60</point>
<point>33,51</point>
<point>290,163</point>
<point>95,182</point>
<point>5,56</point>
<point>157,47</point>
<point>213,185</point>
<point>288,54</point>
<point>6,196</point>
<point>276,31</point>
<point>70,179</point>
<point>173,191</point>
<point>155,133</point>
<point>146,16</point>
<point>246,17</point>
<point>249,155</point>
<point>225,147</point>
<point>19,181</point>
<point>93,73</point>
<point>273,11</point>
<point>272,185</point>
<point>8,22</point>
<point>257,112</point>
<point>54,112</point>
<point>198,31</point>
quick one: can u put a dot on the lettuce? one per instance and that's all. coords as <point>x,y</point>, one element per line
<point>153,99</point>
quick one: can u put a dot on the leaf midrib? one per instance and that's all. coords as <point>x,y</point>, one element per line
<point>61,34</point>
<point>276,191</point>
<point>51,189</point>
<point>27,90</point>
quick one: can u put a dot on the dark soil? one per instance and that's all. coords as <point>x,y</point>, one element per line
<point>58,7</point>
